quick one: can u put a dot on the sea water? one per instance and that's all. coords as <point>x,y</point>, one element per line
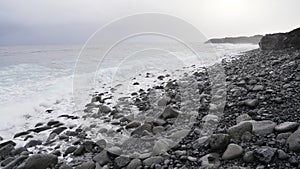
<point>34,79</point>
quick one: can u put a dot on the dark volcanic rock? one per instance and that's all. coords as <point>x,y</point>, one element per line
<point>281,41</point>
<point>265,154</point>
<point>219,141</point>
<point>21,134</point>
<point>41,161</point>
<point>86,165</point>
<point>33,143</point>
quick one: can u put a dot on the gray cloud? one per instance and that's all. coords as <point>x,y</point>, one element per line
<point>73,21</point>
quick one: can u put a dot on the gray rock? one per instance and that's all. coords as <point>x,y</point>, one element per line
<point>133,124</point>
<point>262,128</point>
<point>283,136</point>
<point>252,103</point>
<point>33,143</point>
<point>243,117</point>
<point>293,141</point>
<point>153,160</point>
<point>104,109</point>
<point>282,155</point>
<point>200,142</point>
<point>101,143</point>
<point>41,161</point>
<point>210,161</point>
<point>6,150</point>
<point>122,161</point>
<point>135,163</point>
<point>161,146</point>
<point>141,129</point>
<point>238,130</point>
<point>79,151</point>
<point>70,150</point>
<point>258,88</point>
<point>102,158</point>
<point>158,129</point>
<point>233,151</point>
<point>114,151</point>
<point>86,165</point>
<point>286,126</point>
<point>18,151</point>
<point>169,112</point>
<point>163,101</point>
<point>219,141</point>
<point>265,154</point>
<point>249,157</point>
<point>15,161</point>
<point>1,138</point>
<point>64,166</point>
<point>21,134</point>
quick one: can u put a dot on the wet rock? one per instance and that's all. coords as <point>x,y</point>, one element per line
<point>210,161</point>
<point>114,151</point>
<point>70,150</point>
<point>64,166</point>
<point>86,165</point>
<point>169,112</point>
<point>141,129</point>
<point>16,160</point>
<point>121,161</point>
<point>40,129</point>
<point>33,143</point>
<point>153,160</point>
<point>219,141</point>
<point>265,154</point>
<point>163,101</point>
<point>133,124</point>
<point>58,130</point>
<point>6,150</point>
<point>101,143</point>
<point>134,164</point>
<point>41,161</point>
<point>21,134</point>
<point>18,150</point>
<point>286,126</point>
<point>262,128</point>
<point>79,151</point>
<point>102,158</point>
<point>238,130</point>
<point>293,141</point>
<point>104,109</point>
<point>1,138</point>
<point>232,151</point>
<point>52,122</point>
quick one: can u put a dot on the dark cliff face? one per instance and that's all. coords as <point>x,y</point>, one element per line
<point>281,41</point>
<point>237,40</point>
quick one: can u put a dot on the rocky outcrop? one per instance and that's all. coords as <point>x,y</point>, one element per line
<point>237,40</point>
<point>281,41</point>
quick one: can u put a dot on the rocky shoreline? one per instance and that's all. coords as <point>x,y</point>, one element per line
<point>259,127</point>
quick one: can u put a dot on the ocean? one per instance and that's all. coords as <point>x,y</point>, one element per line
<point>34,79</point>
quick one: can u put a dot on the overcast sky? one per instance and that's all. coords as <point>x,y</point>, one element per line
<point>30,22</point>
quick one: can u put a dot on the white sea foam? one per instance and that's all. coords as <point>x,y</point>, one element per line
<point>35,79</point>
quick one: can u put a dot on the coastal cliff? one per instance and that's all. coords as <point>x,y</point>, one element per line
<point>237,40</point>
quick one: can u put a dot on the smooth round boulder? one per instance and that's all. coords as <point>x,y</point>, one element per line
<point>41,161</point>
<point>232,151</point>
<point>286,126</point>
